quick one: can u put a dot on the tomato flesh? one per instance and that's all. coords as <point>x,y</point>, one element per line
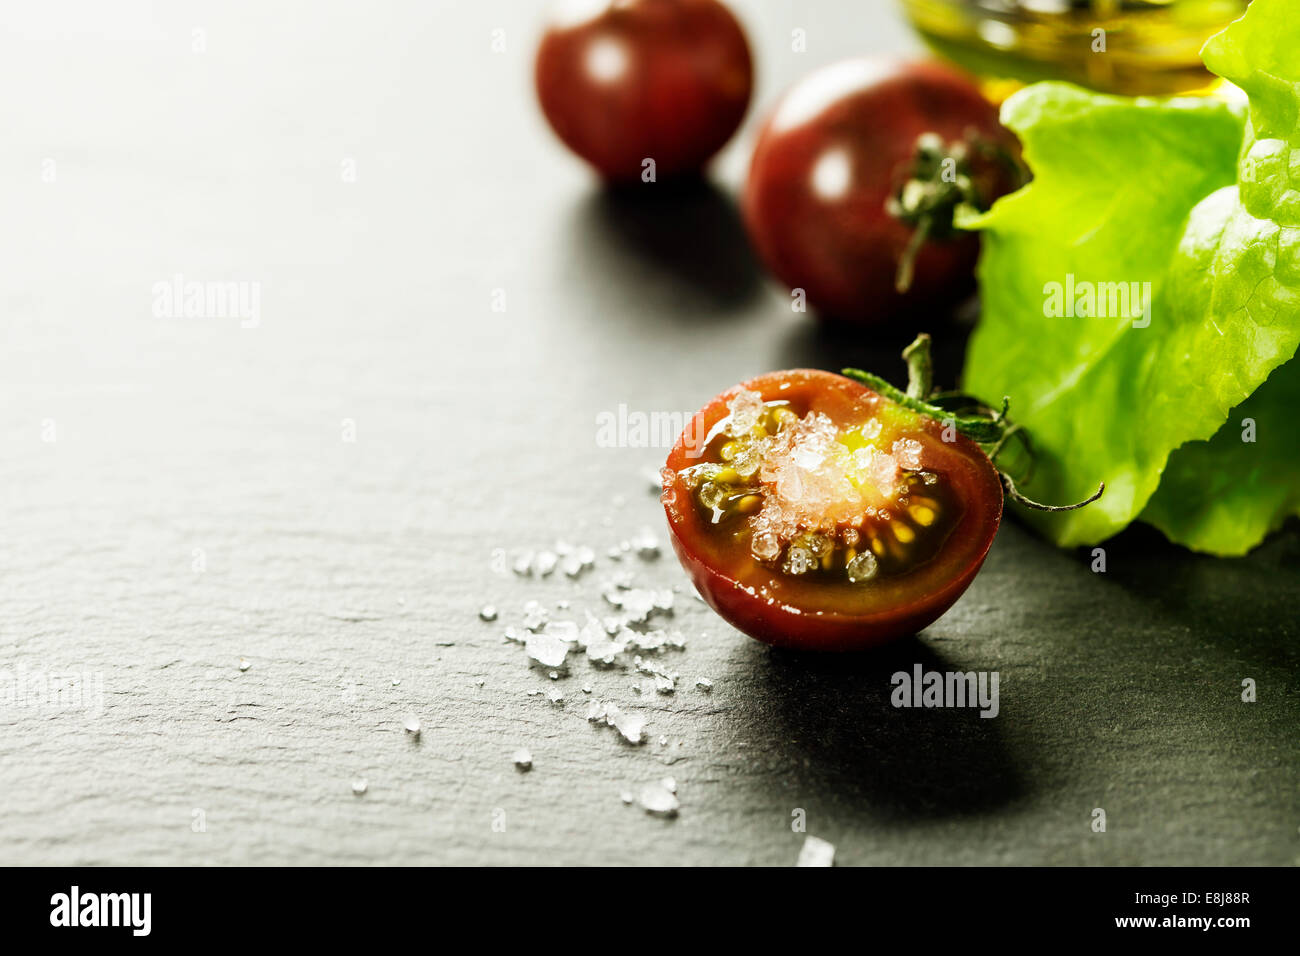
<point>812,512</point>
<point>637,80</point>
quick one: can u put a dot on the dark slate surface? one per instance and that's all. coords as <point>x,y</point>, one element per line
<point>337,568</point>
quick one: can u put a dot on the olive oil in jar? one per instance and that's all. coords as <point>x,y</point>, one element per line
<point>1120,46</point>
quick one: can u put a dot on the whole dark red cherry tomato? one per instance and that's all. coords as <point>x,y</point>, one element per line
<point>667,80</point>
<point>855,179</point>
<point>822,512</point>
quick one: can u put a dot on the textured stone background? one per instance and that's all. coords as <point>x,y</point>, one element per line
<point>338,567</point>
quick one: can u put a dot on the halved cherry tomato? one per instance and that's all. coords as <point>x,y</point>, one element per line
<point>855,179</point>
<point>638,80</point>
<point>812,512</point>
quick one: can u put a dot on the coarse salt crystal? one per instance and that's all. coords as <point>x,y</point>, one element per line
<point>907,452</point>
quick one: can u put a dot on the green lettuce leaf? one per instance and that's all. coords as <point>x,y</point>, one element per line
<point>1114,182</point>
<point>1260,53</point>
<point>1224,495</point>
<point>1146,191</point>
<point>1207,505</point>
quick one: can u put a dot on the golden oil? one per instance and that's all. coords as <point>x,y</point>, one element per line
<point>1134,47</point>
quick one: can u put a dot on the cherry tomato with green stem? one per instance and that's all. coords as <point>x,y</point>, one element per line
<point>835,512</point>
<point>856,182</point>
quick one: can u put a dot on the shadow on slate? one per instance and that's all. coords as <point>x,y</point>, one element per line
<point>832,714</point>
<point>814,343</point>
<point>684,230</point>
<point>1245,605</point>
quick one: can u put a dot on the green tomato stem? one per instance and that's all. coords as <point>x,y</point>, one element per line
<point>988,428</point>
<point>1017,497</point>
<point>920,369</point>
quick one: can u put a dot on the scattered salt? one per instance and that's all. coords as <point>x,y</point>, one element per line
<point>631,726</point>
<point>816,852</point>
<point>566,631</point>
<point>655,640</point>
<point>665,681</point>
<point>657,799</point>
<point>547,649</point>
<point>637,604</point>
<point>603,650</point>
<point>645,543</point>
<point>544,563</point>
<point>534,615</point>
<point>577,561</point>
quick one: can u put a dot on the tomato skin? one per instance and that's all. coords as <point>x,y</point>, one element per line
<point>825,163</point>
<point>918,600</point>
<point>667,80</point>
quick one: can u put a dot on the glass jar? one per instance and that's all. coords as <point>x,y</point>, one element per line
<point>1120,46</point>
